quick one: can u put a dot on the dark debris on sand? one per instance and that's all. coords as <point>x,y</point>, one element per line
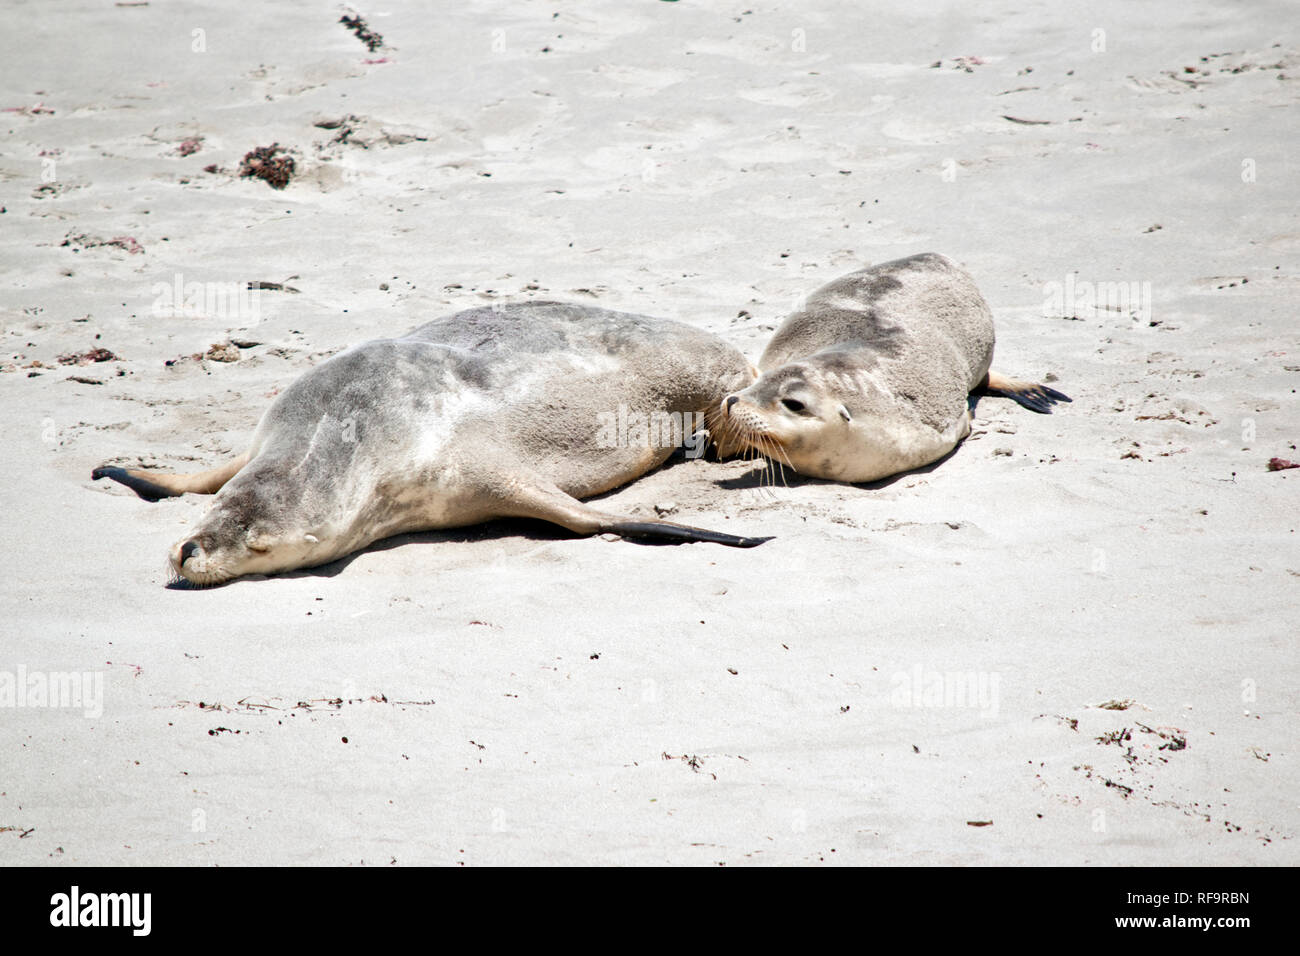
<point>87,358</point>
<point>372,40</point>
<point>263,163</point>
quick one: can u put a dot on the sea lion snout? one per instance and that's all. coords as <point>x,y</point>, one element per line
<point>190,550</point>
<point>190,559</point>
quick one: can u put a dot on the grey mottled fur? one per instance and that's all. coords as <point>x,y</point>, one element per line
<point>488,413</point>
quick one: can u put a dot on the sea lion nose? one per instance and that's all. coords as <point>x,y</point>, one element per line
<point>731,400</point>
<point>188,550</point>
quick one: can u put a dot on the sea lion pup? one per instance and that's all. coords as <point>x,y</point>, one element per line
<point>494,412</point>
<point>873,377</point>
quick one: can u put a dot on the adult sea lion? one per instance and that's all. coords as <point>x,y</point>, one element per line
<point>874,376</point>
<point>509,411</point>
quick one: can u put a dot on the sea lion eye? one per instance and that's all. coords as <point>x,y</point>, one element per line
<point>793,405</point>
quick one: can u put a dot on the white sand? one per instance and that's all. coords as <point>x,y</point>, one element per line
<point>691,163</point>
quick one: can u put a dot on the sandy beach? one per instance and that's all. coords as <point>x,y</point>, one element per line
<point>1074,641</point>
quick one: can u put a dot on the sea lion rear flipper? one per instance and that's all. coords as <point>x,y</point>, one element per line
<point>152,485</point>
<point>667,531</point>
<point>553,505</point>
<point>1036,398</point>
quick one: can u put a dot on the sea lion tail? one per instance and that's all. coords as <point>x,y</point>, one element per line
<point>1036,398</point>
<point>152,485</point>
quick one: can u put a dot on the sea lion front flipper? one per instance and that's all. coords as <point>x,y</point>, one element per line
<point>549,503</point>
<point>152,485</point>
<point>1036,398</point>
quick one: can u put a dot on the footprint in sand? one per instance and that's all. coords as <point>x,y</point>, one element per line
<point>635,81</point>
<point>788,95</point>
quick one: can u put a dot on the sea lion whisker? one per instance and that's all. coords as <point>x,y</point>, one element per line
<point>780,450</point>
<point>778,465</point>
<point>769,471</point>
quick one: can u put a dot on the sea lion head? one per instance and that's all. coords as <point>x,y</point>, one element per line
<point>826,416</point>
<point>797,414</point>
<point>262,522</point>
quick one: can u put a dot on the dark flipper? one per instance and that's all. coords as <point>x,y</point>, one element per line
<point>152,485</point>
<point>543,500</point>
<point>664,531</point>
<point>1036,398</point>
<point>143,487</point>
